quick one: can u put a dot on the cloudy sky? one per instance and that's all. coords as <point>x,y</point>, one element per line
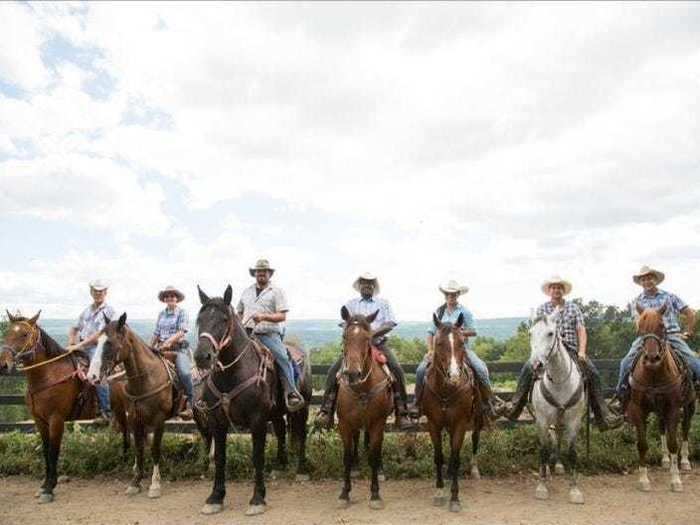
<point>495,144</point>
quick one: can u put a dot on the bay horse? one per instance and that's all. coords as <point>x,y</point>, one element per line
<point>242,389</point>
<point>559,402</point>
<point>56,389</point>
<point>150,393</point>
<point>451,403</point>
<point>364,400</point>
<point>659,383</point>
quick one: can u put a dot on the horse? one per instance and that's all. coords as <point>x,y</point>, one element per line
<point>451,402</point>
<point>559,401</point>
<point>242,389</point>
<point>364,400</point>
<point>150,393</point>
<point>56,389</point>
<point>659,384</point>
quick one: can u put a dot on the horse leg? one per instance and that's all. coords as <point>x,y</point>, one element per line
<point>299,432</point>
<point>215,502</point>
<point>476,434</point>
<point>541,491</point>
<point>140,443</point>
<point>350,440</point>
<point>355,473</point>
<point>672,433</point>
<point>154,490</point>
<point>280,425</point>
<point>688,412</point>
<point>53,448</point>
<point>257,504</point>
<point>439,498</point>
<point>665,456</point>
<point>44,433</point>
<point>455,448</point>
<point>642,448</point>
<point>571,458</point>
<point>557,455</point>
<point>376,439</point>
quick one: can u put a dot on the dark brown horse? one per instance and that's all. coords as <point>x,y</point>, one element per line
<point>364,401</point>
<point>242,389</point>
<point>150,392</point>
<point>660,385</point>
<point>56,392</point>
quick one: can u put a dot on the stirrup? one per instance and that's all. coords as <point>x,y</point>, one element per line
<point>294,402</point>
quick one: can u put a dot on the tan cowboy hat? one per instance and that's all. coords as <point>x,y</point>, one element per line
<point>366,277</point>
<point>646,270</point>
<point>261,264</point>
<point>555,279</point>
<point>99,285</point>
<point>170,290</point>
<point>453,286</point>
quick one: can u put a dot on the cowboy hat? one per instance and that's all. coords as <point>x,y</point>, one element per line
<point>99,285</point>
<point>168,290</point>
<point>555,279</point>
<point>261,264</point>
<point>646,270</point>
<point>366,277</point>
<point>453,286</point>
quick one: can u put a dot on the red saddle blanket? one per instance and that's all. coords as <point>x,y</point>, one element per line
<point>378,356</point>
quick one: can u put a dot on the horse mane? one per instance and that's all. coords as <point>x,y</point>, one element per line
<point>650,321</point>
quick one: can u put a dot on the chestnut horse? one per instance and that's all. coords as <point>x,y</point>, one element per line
<point>55,391</point>
<point>364,400</point>
<point>659,385</point>
<point>450,402</point>
<point>150,393</point>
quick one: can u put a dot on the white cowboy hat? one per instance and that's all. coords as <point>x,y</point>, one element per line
<point>99,285</point>
<point>366,277</point>
<point>555,279</point>
<point>453,286</point>
<point>170,290</point>
<point>646,270</point>
<point>261,264</point>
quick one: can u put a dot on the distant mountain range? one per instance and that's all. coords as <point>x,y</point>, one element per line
<point>313,333</point>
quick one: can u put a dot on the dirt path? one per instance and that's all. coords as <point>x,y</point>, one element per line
<point>506,501</point>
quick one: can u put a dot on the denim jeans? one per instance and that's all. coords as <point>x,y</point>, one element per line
<point>183,366</point>
<point>482,372</point>
<point>274,342</point>
<point>677,343</point>
<point>101,389</point>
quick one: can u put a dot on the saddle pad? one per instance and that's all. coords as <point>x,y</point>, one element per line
<point>378,356</point>
<point>296,354</point>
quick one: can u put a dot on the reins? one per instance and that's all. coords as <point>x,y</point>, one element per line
<point>31,346</point>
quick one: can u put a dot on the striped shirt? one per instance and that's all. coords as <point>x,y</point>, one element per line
<point>92,320</point>
<point>362,306</point>
<point>271,300</point>
<point>674,306</point>
<point>451,317</point>
<point>171,322</point>
<point>568,322</point>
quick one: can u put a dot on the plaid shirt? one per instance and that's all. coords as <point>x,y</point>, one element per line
<point>171,322</point>
<point>361,306</point>
<point>674,306</point>
<point>569,320</point>
<point>91,320</point>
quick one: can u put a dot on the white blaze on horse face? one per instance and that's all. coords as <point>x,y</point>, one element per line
<point>454,367</point>
<point>96,361</point>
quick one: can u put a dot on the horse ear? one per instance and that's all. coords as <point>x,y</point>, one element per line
<point>228,294</point>
<point>122,322</point>
<point>639,308</point>
<point>344,313</point>
<point>371,318</point>
<point>10,317</point>
<point>436,321</point>
<point>34,319</point>
<point>662,309</point>
<point>203,298</point>
<point>460,320</point>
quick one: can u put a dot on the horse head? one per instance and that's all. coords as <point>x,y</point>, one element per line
<point>543,340</point>
<point>22,340</point>
<point>215,327</point>
<point>449,352</point>
<point>650,327</point>
<point>113,347</point>
<point>357,345</point>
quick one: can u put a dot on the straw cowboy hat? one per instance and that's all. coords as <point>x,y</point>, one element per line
<point>99,285</point>
<point>555,279</point>
<point>366,277</point>
<point>453,286</point>
<point>261,264</point>
<point>646,270</point>
<point>170,290</point>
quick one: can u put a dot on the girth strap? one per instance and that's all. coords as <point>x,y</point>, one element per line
<point>365,397</point>
<point>134,399</point>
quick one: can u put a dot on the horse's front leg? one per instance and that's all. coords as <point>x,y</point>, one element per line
<point>572,426</point>
<point>299,432</point>
<point>541,491</point>
<point>154,490</point>
<point>474,471</point>
<point>215,501</point>
<point>140,443</point>
<point>456,441</point>
<point>672,435</point>
<point>280,425</point>
<point>376,440</point>
<point>439,499</point>
<point>665,456</point>
<point>642,448</point>
<point>349,442</point>
<point>688,412</point>
<point>257,503</point>
<point>45,438</point>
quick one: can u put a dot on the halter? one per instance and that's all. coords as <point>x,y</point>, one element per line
<point>365,358</point>
<point>224,342</point>
<point>555,345</point>
<point>662,342</point>
<point>446,374</point>
<point>32,343</point>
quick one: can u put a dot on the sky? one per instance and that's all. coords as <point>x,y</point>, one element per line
<point>175,144</point>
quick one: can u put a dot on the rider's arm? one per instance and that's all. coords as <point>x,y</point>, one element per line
<point>175,338</point>
<point>689,315</point>
<point>582,340</point>
<point>277,317</point>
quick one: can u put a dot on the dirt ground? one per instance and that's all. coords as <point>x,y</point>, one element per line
<point>610,499</point>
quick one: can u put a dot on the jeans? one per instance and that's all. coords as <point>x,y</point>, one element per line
<point>183,366</point>
<point>279,351</point>
<point>677,343</point>
<point>482,372</point>
<point>101,389</point>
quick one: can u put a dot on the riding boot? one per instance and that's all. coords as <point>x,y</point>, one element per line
<point>516,404</point>
<point>602,417</point>
<point>401,410</point>
<point>325,416</point>
<point>492,407</point>
<point>414,409</point>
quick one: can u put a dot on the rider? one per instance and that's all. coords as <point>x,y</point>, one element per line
<point>368,287</point>
<point>572,332</point>
<point>83,336</point>
<point>171,327</point>
<point>653,297</point>
<point>263,308</point>
<point>449,313</point>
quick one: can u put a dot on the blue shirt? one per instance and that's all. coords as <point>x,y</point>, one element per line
<point>92,320</point>
<point>362,306</point>
<point>451,317</point>
<point>674,305</point>
<point>171,322</point>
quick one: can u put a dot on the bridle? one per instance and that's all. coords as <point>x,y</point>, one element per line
<point>30,346</point>
<point>661,341</point>
<point>462,374</point>
<point>365,358</point>
<point>225,339</point>
<point>556,345</point>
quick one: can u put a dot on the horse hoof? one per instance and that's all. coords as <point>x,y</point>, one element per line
<point>644,486</point>
<point>355,473</point>
<point>212,508</point>
<point>132,490</point>
<point>254,510</point>
<point>541,492</point>
<point>666,462</point>
<point>475,474</point>
<point>455,506</point>
<point>559,469</point>
<point>342,504</point>
<point>45,497</point>
<point>154,493</point>
<point>376,504</point>
<point>302,477</point>
<point>576,497</point>
<point>685,466</point>
<point>381,477</point>
<point>676,486</point>
<point>63,479</point>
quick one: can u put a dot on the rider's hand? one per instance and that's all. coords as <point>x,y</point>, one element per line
<point>258,318</point>
<point>73,348</point>
<point>686,335</point>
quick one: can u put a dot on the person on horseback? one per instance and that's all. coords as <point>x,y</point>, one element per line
<point>169,335</point>
<point>368,286</point>
<point>653,297</point>
<point>449,312</point>
<point>83,336</point>
<point>263,309</point>
<point>572,332</point>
